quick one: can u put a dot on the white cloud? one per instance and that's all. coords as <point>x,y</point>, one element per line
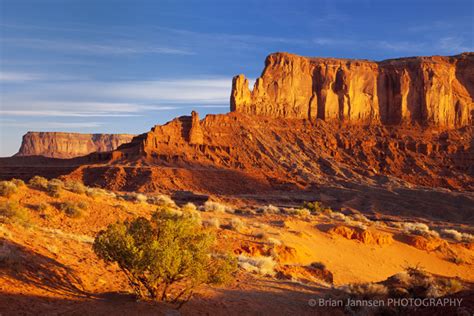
<point>454,45</point>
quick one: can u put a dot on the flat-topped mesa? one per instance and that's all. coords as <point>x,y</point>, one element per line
<point>69,145</point>
<point>436,91</point>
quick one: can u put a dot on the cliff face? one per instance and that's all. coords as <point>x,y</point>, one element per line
<point>436,91</point>
<point>69,145</point>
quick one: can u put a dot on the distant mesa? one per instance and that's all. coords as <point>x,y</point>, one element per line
<point>69,145</point>
<point>430,91</point>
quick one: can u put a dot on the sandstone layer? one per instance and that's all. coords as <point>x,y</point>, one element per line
<point>68,145</point>
<point>435,91</point>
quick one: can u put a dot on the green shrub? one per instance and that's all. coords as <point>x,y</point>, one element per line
<point>12,211</point>
<point>38,182</point>
<point>315,207</point>
<point>71,209</point>
<point>164,258</point>
<point>8,188</point>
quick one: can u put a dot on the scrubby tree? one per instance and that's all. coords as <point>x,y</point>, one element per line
<point>164,258</point>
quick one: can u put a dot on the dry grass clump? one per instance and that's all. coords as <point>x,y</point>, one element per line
<point>161,200</point>
<point>12,211</point>
<point>336,215</point>
<point>38,182</point>
<point>212,223</point>
<point>75,187</point>
<point>99,193</point>
<point>300,212</point>
<point>259,265</point>
<point>419,229</point>
<point>236,224</point>
<point>456,235</point>
<point>189,207</point>
<point>8,188</point>
<point>213,206</point>
<point>269,209</point>
<point>18,182</point>
<point>71,209</point>
<point>54,189</point>
<point>365,290</point>
<point>273,241</point>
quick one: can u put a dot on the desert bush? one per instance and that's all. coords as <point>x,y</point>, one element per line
<point>164,258</point>
<point>12,211</point>
<point>365,290</point>
<point>8,188</point>
<point>456,235</point>
<point>315,207</point>
<point>236,224</point>
<point>18,182</point>
<point>273,241</point>
<point>212,206</point>
<point>76,187</point>
<point>54,189</point>
<point>337,216</point>
<point>162,200</point>
<point>212,223</point>
<point>300,212</point>
<point>269,209</point>
<point>38,182</point>
<point>189,207</point>
<point>360,218</point>
<point>260,235</point>
<point>41,207</point>
<point>98,193</point>
<point>259,265</point>
<point>419,229</point>
<point>72,209</point>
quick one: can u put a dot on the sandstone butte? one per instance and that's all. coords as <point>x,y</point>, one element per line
<point>306,123</point>
<point>68,145</point>
<point>436,91</point>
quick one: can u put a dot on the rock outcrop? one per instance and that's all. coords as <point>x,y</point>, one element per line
<point>436,91</point>
<point>69,145</point>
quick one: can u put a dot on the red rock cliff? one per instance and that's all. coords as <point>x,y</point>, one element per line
<point>68,145</point>
<point>436,91</point>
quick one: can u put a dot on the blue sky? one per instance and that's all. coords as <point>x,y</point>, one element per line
<point>122,66</point>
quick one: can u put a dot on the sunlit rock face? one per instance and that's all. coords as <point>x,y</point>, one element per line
<point>69,145</point>
<point>435,91</point>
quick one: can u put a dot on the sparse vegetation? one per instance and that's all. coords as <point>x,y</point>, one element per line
<point>71,209</point>
<point>269,209</point>
<point>18,182</point>
<point>259,265</point>
<point>212,206</point>
<point>38,182</point>
<point>12,211</point>
<point>419,229</point>
<point>8,188</point>
<point>164,258</point>
<point>54,189</point>
<point>456,235</point>
<point>76,187</point>
<point>212,222</point>
<point>315,207</point>
<point>162,200</point>
<point>236,224</point>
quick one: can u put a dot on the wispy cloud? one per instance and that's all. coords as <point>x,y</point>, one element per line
<point>18,77</point>
<point>113,99</point>
<point>118,47</point>
<point>47,125</point>
<point>445,45</point>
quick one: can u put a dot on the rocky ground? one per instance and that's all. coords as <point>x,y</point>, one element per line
<point>288,254</point>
